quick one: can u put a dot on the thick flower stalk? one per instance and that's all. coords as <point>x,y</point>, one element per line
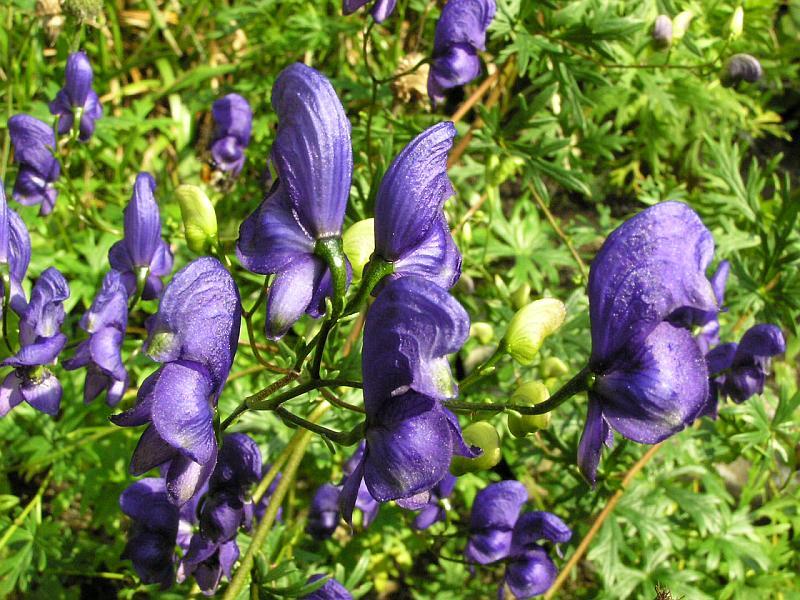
<point>194,336</point>
<point>41,341</point>
<point>411,231</point>
<point>410,330</point>
<point>142,256</point>
<point>295,233</point>
<point>34,147</point>
<point>381,9</point>
<point>651,376</point>
<point>77,99</point>
<point>498,531</point>
<point>460,35</point>
<point>101,354</point>
<point>233,124</point>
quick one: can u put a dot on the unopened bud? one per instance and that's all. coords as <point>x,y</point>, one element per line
<point>483,435</point>
<point>466,232</point>
<point>530,326</point>
<point>736,24</point>
<point>741,67</point>
<point>359,244</point>
<point>552,366</point>
<point>662,31</point>
<point>483,332</point>
<point>528,394</point>
<point>680,24</point>
<point>521,296</point>
<point>199,218</point>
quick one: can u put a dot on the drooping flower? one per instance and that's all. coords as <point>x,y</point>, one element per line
<point>433,511</point>
<point>323,514</point>
<point>195,336</point>
<point>330,590</point>
<point>34,146</point>
<point>142,250</point>
<point>410,436</point>
<point>151,541</point>
<point>411,231</point>
<point>314,161</point>
<point>206,561</point>
<point>499,532</point>
<point>741,67</point>
<point>15,250</point>
<point>651,377</point>
<point>77,95</point>
<point>41,341</point>
<point>460,34</point>
<point>662,31</point>
<point>105,322</point>
<point>233,123</point>
<point>738,371</point>
<point>380,11</point>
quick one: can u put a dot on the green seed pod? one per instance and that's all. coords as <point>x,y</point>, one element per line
<point>530,326</point>
<point>552,366</point>
<point>484,435</point>
<point>199,218</point>
<point>528,394</point>
<point>359,244</point>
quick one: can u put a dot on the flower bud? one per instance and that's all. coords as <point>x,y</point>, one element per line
<point>199,218</point>
<point>552,366</point>
<point>736,24</point>
<point>466,232</point>
<point>680,24</point>
<point>662,31</point>
<point>528,394</point>
<point>530,326</point>
<point>521,296</point>
<point>483,435</point>
<point>483,332</point>
<point>359,244</point>
<point>741,67</point>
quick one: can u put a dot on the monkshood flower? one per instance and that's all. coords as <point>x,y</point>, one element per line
<point>741,67</point>
<point>101,354</point>
<point>233,123</point>
<point>151,540</point>
<point>34,144</point>
<point>410,436</point>
<point>380,10</point>
<point>142,252</point>
<point>15,250</point>
<point>194,335</point>
<point>331,590</point>
<point>301,218</point>
<point>41,341</point>
<point>499,532</point>
<point>323,514</point>
<point>738,371</point>
<point>206,561</point>
<point>411,232</point>
<point>433,511</point>
<point>227,505</point>
<point>77,98</point>
<point>651,376</point>
<point>460,34</point>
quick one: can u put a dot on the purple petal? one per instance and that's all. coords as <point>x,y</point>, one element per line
<point>105,346</point>
<point>228,155</point>
<point>312,151</point>
<point>648,268</point>
<point>153,556</point>
<point>657,390</point>
<point>412,193</point>
<point>496,508</point>
<point>45,313</point>
<point>32,188</point>
<point>436,258</point>
<point>92,111</point>
<point>10,395</point>
<point>323,514</point>
<point>464,22</point>
<point>271,237</point>
<point>19,250</point>
<point>150,452</point>
<point>43,394</point>
<point>78,78</point>
<point>186,478</point>
<point>110,306</point>
<point>238,463</point>
<point>430,514</point>
<point>232,117</point>
<point>382,9</point>
<point>349,493</point>
<point>760,341</point>
<point>228,555</point>
<point>291,293</point>
<point>42,352</point>
<point>531,574</point>
<point>146,501</point>
<point>595,433</point>
<point>539,525</point>
<point>34,143</point>
<point>351,6</point>
<point>221,516</point>
<point>458,66</point>
<point>142,222</point>
<point>331,590</point>
<point>139,414</point>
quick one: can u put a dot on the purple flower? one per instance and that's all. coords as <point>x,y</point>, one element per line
<point>410,436</point>
<point>34,144</point>
<point>207,561</point>
<point>433,511</point>
<point>195,335</point>
<point>651,377</point>
<point>105,322</point>
<point>706,320</point>
<point>739,370</point>
<point>15,250</point>
<point>142,249</point>
<point>77,94</point>
<point>151,540</point>
<point>364,501</point>
<point>314,161</point>
<point>323,514</point>
<point>233,122</point>
<point>380,11</point>
<point>41,341</point>
<point>499,532</point>
<point>411,231</point>
<point>331,590</point>
<point>460,34</point>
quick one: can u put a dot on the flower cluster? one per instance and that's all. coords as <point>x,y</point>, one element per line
<point>77,99</point>
<point>499,532</point>
<point>233,123</point>
<point>34,149</point>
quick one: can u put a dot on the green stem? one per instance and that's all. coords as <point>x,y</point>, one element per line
<point>260,401</point>
<point>266,392</point>
<point>580,383</point>
<point>343,438</point>
<point>141,280</point>
<point>482,370</point>
<point>25,511</point>
<point>376,269</point>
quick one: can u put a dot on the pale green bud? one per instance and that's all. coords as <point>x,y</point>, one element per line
<point>736,24</point>
<point>359,244</point>
<point>466,232</point>
<point>680,24</point>
<point>552,366</point>
<point>528,394</point>
<point>199,218</point>
<point>521,296</point>
<point>483,332</point>
<point>531,325</point>
<point>485,436</point>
